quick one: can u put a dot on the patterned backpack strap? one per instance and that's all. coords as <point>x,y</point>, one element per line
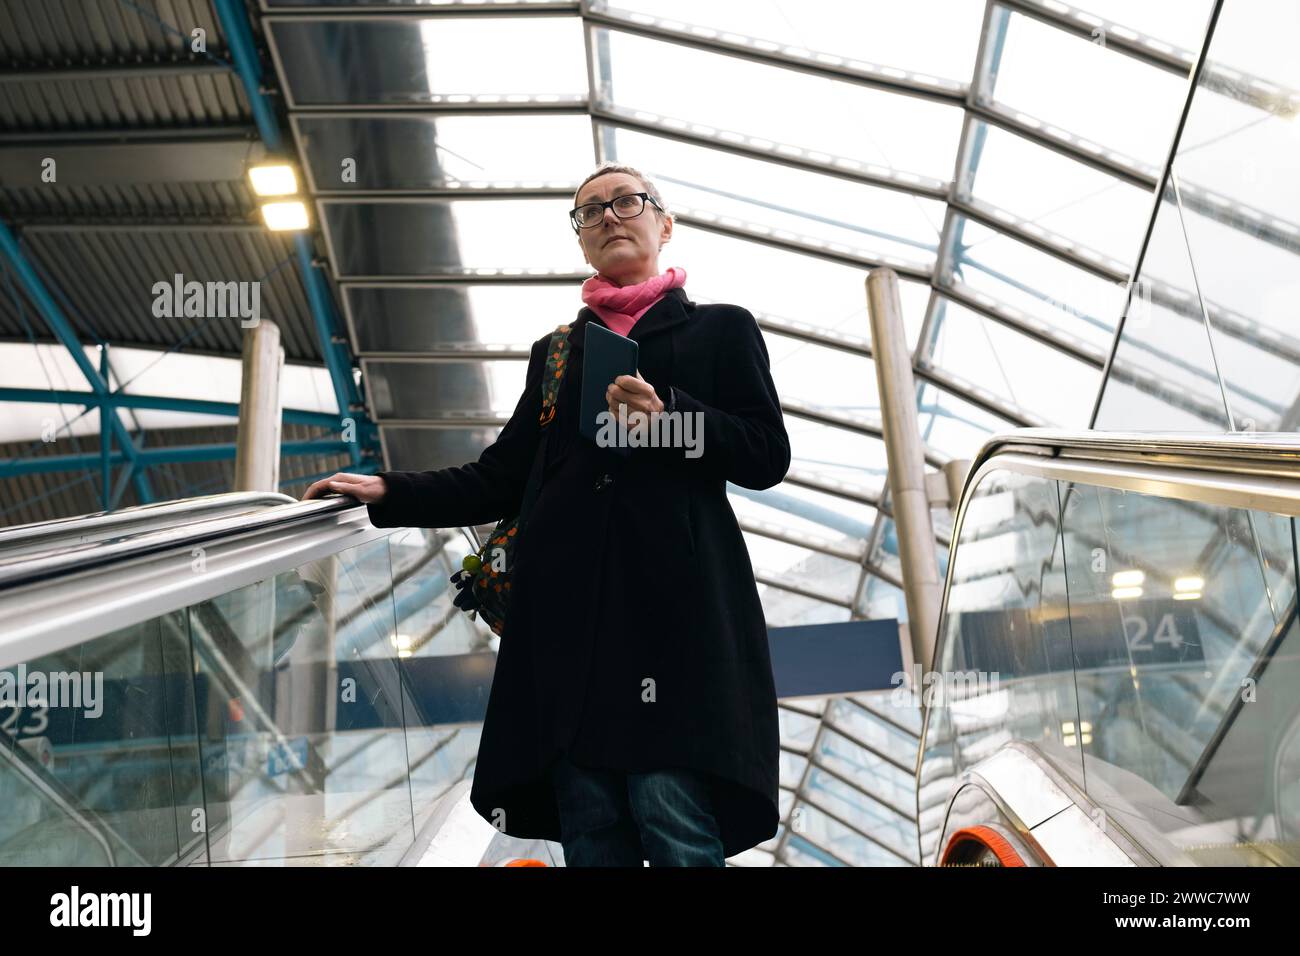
<point>557,357</point>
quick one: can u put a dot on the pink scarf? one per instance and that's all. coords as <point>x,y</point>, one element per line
<point>621,306</point>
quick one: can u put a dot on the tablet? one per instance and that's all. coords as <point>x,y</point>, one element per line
<point>606,356</point>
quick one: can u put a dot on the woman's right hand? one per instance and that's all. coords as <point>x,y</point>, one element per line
<point>368,489</point>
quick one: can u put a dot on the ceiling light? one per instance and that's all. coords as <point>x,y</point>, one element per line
<point>1127,579</point>
<point>273,179</point>
<point>284,216</point>
<point>1124,594</point>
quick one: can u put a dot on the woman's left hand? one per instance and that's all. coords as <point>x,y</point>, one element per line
<point>634,392</point>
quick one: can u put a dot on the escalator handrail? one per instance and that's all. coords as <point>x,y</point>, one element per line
<point>154,516</point>
<point>26,569</point>
<point>1276,453</point>
<point>1270,459</point>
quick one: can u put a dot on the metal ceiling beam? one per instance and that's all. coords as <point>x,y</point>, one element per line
<point>162,455</point>
<point>755,50</point>
<point>40,396</point>
<point>119,134</point>
<point>370,11</point>
<point>58,324</point>
<point>784,154</point>
<point>1044,240</point>
<point>1081,351</point>
<point>830,486</point>
<point>1090,27</point>
<point>783,585</point>
<point>130,163</point>
<point>233,20</point>
<point>1107,161</point>
<point>1035,329</point>
<point>450,192</point>
<point>484,104</point>
<point>57,224</point>
<point>980,397</point>
<point>829,548</point>
<point>115,71</point>
<point>905,269</point>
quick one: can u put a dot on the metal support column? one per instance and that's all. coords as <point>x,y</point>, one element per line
<point>105,439</point>
<point>906,455</point>
<point>257,444</point>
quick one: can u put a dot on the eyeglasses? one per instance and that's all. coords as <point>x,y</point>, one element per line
<point>625,207</point>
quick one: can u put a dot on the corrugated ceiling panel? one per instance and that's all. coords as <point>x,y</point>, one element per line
<point>163,102</point>
<point>124,203</point>
<point>105,277</point>
<point>64,32</point>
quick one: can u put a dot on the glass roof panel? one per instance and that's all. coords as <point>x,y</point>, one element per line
<point>415,60</point>
<point>1067,298</point>
<point>855,460</point>
<point>885,779</point>
<point>849,217</point>
<point>820,574</point>
<point>805,511</point>
<point>786,609</point>
<point>424,390</point>
<point>417,449</point>
<point>414,318</point>
<point>863,725</point>
<point>883,823</point>
<point>1123,104</point>
<point>823,377</point>
<point>881,600</point>
<point>1258,36</point>
<point>776,283</point>
<point>1239,206</point>
<point>1178,22</point>
<point>880,32</point>
<point>1062,196</point>
<point>953,426</point>
<point>845,845</point>
<point>453,237</point>
<point>1036,378</point>
<point>395,151</point>
<point>1164,350</point>
<point>838,119</point>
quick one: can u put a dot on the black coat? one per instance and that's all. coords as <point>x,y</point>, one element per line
<point>630,571</point>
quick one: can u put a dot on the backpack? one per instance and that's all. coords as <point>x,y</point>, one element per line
<point>483,582</point>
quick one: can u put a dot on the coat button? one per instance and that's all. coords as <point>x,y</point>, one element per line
<point>604,481</point>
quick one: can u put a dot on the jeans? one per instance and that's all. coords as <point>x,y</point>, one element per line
<point>622,818</point>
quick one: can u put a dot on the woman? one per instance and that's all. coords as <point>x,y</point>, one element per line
<point>632,714</point>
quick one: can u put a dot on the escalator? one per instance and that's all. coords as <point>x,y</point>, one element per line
<point>250,680</point>
<point>233,680</point>
<point>1116,667</point>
